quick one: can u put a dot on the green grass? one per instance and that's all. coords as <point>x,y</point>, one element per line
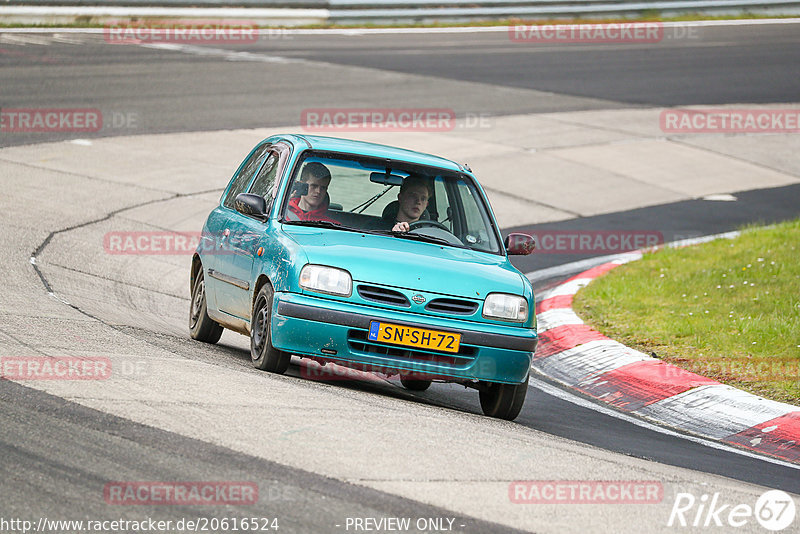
<point>91,22</point>
<point>729,309</point>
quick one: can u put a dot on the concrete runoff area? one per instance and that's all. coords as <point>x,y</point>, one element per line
<point>132,308</point>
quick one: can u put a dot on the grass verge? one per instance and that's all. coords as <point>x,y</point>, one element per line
<point>729,309</point>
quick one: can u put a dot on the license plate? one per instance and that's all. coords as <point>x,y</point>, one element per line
<point>414,337</point>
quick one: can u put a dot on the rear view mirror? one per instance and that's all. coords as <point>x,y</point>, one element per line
<point>518,244</point>
<point>385,178</point>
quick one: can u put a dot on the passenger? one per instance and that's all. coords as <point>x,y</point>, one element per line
<point>412,202</point>
<point>311,201</point>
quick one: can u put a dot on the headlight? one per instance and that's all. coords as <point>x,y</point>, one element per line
<point>326,280</point>
<point>505,307</point>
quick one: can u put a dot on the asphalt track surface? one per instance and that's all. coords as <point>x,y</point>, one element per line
<point>242,86</point>
<point>58,451</point>
<point>57,455</point>
<point>674,221</point>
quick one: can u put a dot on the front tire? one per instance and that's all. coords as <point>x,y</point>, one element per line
<point>201,326</point>
<point>262,353</point>
<point>503,401</point>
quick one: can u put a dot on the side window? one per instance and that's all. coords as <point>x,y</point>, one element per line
<point>243,179</point>
<point>264,183</point>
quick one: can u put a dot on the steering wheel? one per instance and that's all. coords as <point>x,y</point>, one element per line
<point>427,222</point>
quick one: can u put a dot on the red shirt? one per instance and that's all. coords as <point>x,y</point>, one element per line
<point>295,213</point>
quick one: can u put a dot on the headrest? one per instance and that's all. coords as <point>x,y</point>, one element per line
<point>391,209</point>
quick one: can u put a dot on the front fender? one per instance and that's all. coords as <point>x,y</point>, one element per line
<point>282,260</point>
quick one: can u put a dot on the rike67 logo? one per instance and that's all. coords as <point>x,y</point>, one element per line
<point>774,510</point>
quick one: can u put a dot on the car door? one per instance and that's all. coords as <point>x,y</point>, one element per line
<point>221,257</point>
<point>248,234</point>
<point>209,249</point>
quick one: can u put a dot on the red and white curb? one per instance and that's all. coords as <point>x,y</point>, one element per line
<point>573,354</point>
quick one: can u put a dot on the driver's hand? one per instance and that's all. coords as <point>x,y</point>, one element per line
<point>401,227</point>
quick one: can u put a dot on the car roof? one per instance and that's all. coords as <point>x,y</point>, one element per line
<point>362,148</point>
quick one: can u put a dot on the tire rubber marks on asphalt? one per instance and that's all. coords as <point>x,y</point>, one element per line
<point>24,39</point>
<point>227,55</point>
<point>42,40</point>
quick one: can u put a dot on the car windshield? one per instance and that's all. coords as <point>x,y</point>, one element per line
<point>348,193</point>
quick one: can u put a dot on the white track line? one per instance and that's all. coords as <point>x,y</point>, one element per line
<point>199,12</point>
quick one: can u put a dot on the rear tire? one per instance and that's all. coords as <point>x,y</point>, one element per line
<point>201,326</point>
<point>262,353</point>
<point>503,401</point>
<point>415,384</point>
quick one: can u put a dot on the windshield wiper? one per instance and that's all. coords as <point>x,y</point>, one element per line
<point>323,224</point>
<point>423,237</point>
<point>371,201</point>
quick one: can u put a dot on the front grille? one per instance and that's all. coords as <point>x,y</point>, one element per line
<point>383,295</point>
<point>452,306</point>
<point>358,341</point>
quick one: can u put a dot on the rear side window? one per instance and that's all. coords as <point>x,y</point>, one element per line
<point>242,180</point>
<point>266,178</point>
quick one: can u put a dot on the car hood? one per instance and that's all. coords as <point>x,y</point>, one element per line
<point>402,263</point>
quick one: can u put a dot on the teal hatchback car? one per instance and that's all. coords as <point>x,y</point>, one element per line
<point>372,257</point>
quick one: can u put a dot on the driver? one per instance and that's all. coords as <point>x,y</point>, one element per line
<point>412,202</point>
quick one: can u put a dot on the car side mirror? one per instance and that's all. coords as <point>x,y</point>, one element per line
<point>518,244</point>
<point>251,205</point>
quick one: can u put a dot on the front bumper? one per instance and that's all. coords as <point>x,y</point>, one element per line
<point>337,331</point>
